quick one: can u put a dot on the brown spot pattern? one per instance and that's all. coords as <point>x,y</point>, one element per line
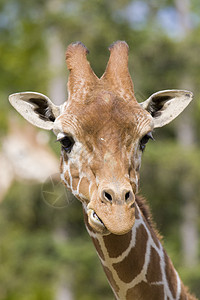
<point>145,291</point>
<point>111,279</point>
<point>117,244</point>
<point>155,238</point>
<point>133,263</point>
<point>74,171</point>
<point>170,275</point>
<point>84,187</point>
<point>154,271</point>
<point>98,248</point>
<point>67,177</point>
<point>75,182</point>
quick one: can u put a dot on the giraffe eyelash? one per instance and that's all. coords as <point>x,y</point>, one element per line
<point>144,140</point>
<point>67,143</point>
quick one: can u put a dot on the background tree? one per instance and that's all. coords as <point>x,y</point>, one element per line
<point>45,252</point>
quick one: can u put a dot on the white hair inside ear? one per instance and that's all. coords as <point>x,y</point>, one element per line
<point>35,108</point>
<point>165,106</point>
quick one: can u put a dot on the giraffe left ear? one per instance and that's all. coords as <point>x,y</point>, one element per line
<point>164,106</point>
<point>36,108</point>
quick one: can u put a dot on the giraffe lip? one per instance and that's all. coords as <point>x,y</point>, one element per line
<point>96,217</point>
<point>96,223</point>
<point>92,214</point>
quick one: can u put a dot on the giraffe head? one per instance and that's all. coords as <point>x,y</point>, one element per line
<point>103,131</point>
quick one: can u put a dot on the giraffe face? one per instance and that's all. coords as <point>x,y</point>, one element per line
<point>102,142</point>
<point>103,131</point>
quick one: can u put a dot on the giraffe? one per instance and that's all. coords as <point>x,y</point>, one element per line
<point>30,160</point>
<point>103,132</point>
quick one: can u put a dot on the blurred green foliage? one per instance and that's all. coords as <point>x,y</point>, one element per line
<point>39,244</point>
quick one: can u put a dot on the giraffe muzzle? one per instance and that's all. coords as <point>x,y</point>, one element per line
<point>116,218</point>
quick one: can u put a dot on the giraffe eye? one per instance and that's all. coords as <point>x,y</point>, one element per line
<point>145,140</point>
<point>67,143</point>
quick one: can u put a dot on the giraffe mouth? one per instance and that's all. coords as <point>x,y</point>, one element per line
<point>94,215</point>
<point>96,223</point>
<point>116,219</point>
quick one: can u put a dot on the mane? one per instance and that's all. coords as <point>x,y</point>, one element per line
<point>146,211</point>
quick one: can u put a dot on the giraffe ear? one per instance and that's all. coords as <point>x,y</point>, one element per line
<point>164,106</point>
<point>35,108</point>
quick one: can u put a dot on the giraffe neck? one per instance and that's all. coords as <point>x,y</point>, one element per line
<point>136,264</point>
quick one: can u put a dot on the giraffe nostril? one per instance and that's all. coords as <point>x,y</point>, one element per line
<point>127,196</point>
<point>107,196</point>
<point>117,197</point>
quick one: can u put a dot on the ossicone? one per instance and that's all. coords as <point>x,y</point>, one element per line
<point>75,53</point>
<point>117,73</point>
<point>81,78</point>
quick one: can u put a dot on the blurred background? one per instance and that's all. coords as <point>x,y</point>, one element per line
<point>45,251</point>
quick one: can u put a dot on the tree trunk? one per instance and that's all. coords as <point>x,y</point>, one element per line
<point>63,292</point>
<point>57,90</point>
<point>58,82</point>
<point>186,137</point>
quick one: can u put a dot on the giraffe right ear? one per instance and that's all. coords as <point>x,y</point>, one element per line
<point>165,106</point>
<point>36,108</point>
